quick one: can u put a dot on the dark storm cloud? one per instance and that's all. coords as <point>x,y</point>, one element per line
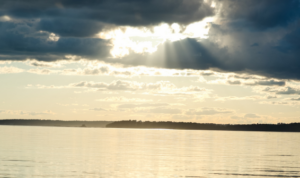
<point>20,41</point>
<point>262,14</point>
<point>266,60</point>
<point>255,37</point>
<point>67,27</point>
<point>118,12</point>
<point>77,21</point>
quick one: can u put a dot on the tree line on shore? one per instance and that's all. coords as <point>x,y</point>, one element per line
<point>283,127</point>
<point>59,123</point>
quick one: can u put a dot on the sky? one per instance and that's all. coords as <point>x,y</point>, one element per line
<point>206,61</point>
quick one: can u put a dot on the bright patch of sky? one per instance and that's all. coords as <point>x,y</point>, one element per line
<point>141,40</point>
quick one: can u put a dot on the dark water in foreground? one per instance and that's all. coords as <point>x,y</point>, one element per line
<point>128,153</point>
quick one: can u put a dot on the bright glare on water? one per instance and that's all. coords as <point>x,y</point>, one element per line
<point>27,152</point>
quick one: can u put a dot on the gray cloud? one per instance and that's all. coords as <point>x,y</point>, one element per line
<point>260,15</point>
<point>257,82</point>
<point>119,12</point>
<point>289,91</point>
<point>268,83</point>
<point>144,105</point>
<point>68,27</point>
<point>250,37</point>
<point>226,53</point>
<point>246,116</point>
<point>251,116</point>
<point>98,109</point>
<point>208,111</point>
<point>270,25</point>
<point>163,110</point>
<point>32,22</point>
<point>20,41</point>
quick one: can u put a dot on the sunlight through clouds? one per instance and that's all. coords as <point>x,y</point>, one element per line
<point>146,39</point>
<point>192,60</point>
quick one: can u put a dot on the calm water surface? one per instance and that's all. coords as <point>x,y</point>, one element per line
<point>128,153</point>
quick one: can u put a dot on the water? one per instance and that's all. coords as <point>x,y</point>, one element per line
<point>128,153</point>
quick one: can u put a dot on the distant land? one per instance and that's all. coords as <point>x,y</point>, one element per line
<point>56,123</point>
<point>280,127</point>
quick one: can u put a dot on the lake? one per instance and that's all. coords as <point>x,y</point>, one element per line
<point>127,153</point>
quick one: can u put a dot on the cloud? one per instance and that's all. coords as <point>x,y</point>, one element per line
<point>10,70</point>
<point>122,71</point>
<point>98,109</point>
<point>288,103</point>
<point>260,15</point>
<point>208,111</point>
<point>251,116</point>
<point>20,41</point>
<point>248,82</point>
<point>31,113</point>
<point>5,62</point>
<point>145,105</point>
<point>157,88</point>
<point>36,63</point>
<point>254,97</point>
<point>288,90</point>
<point>118,12</point>
<point>161,110</point>
<point>227,55</point>
<point>245,37</point>
<point>267,82</point>
<point>125,85</point>
<point>41,71</point>
<point>154,108</point>
<point>70,27</point>
<point>246,116</point>
<point>123,99</point>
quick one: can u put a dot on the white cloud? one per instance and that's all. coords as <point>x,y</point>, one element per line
<point>5,62</point>
<point>10,70</point>
<point>254,97</point>
<point>160,88</point>
<point>42,71</point>
<point>288,103</point>
<point>31,113</point>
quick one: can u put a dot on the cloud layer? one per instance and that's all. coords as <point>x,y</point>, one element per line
<point>254,37</point>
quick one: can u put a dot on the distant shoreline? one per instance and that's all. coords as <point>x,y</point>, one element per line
<point>279,127</point>
<point>133,124</point>
<point>53,123</point>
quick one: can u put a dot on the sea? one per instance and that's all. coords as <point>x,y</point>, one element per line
<point>32,151</point>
